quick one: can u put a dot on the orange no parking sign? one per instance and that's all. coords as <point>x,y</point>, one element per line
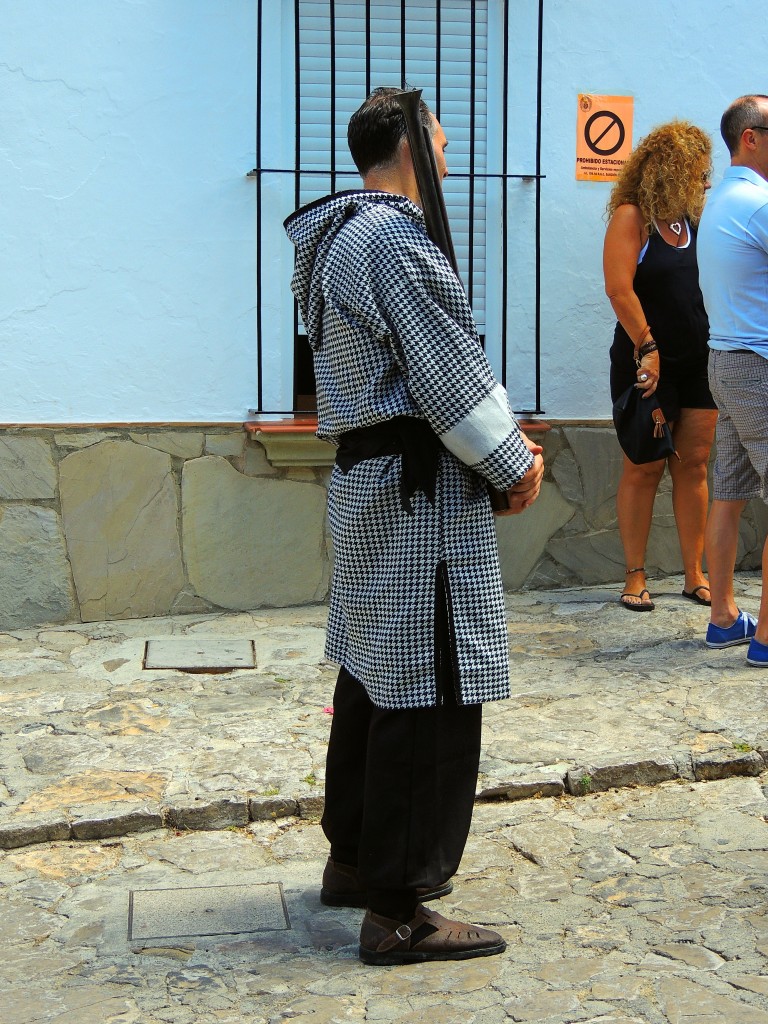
<point>603,136</point>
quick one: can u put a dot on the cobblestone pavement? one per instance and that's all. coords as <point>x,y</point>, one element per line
<point>199,793</point>
<point>94,744</point>
<point>636,906</point>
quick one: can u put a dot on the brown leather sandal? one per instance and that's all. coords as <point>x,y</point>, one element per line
<point>342,887</point>
<point>428,936</point>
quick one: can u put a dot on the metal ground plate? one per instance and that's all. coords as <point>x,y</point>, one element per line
<point>206,910</point>
<point>199,654</point>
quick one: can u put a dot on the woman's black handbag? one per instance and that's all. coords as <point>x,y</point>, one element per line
<point>643,432</point>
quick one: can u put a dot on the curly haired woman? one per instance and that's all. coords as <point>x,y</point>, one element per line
<point>660,341</point>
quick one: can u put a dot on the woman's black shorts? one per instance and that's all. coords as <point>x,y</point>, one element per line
<point>681,385</point>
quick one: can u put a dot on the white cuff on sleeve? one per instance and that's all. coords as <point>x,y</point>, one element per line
<point>483,430</point>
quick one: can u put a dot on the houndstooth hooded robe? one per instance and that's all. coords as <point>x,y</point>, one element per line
<point>392,335</point>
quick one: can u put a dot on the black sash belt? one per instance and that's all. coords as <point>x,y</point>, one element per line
<point>412,439</point>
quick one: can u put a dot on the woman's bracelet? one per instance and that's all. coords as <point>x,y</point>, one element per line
<point>649,346</point>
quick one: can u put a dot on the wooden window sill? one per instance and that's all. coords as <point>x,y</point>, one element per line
<point>292,442</point>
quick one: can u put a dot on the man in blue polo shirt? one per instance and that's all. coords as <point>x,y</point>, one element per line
<point>732,249</point>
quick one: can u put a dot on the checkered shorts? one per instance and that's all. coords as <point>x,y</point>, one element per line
<point>739,384</point>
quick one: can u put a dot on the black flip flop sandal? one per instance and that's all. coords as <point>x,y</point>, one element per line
<point>640,605</point>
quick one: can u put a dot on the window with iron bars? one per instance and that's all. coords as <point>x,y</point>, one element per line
<point>317,61</point>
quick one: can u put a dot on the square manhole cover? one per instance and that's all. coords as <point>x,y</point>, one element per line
<point>206,910</point>
<point>199,654</point>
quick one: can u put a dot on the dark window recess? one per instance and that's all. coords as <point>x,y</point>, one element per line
<point>304,390</point>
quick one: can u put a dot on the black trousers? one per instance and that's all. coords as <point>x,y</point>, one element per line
<point>400,786</point>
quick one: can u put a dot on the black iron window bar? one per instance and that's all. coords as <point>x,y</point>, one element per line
<point>333,173</point>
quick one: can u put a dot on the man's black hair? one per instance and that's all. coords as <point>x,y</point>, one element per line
<point>377,128</point>
<point>742,113</point>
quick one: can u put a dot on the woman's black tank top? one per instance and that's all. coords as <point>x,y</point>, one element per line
<point>667,285</point>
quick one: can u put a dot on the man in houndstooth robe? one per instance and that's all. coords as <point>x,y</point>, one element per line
<point>417,611</point>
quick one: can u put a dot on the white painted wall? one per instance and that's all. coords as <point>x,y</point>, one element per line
<point>127,257</point>
<point>689,60</point>
<point>127,266</point>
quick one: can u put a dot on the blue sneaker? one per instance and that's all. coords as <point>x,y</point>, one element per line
<point>741,632</point>
<point>757,654</point>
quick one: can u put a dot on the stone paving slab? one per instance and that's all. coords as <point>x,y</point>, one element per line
<point>199,654</point>
<point>636,906</point>
<point>175,913</point>
<point>93,745</point>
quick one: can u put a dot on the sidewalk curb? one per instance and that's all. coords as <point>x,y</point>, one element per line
<point>195,814</point>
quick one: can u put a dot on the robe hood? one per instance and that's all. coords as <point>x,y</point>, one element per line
<point>313,229</point>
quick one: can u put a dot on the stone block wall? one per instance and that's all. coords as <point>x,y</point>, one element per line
<point>117,523</point>
<point>107,524</point>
